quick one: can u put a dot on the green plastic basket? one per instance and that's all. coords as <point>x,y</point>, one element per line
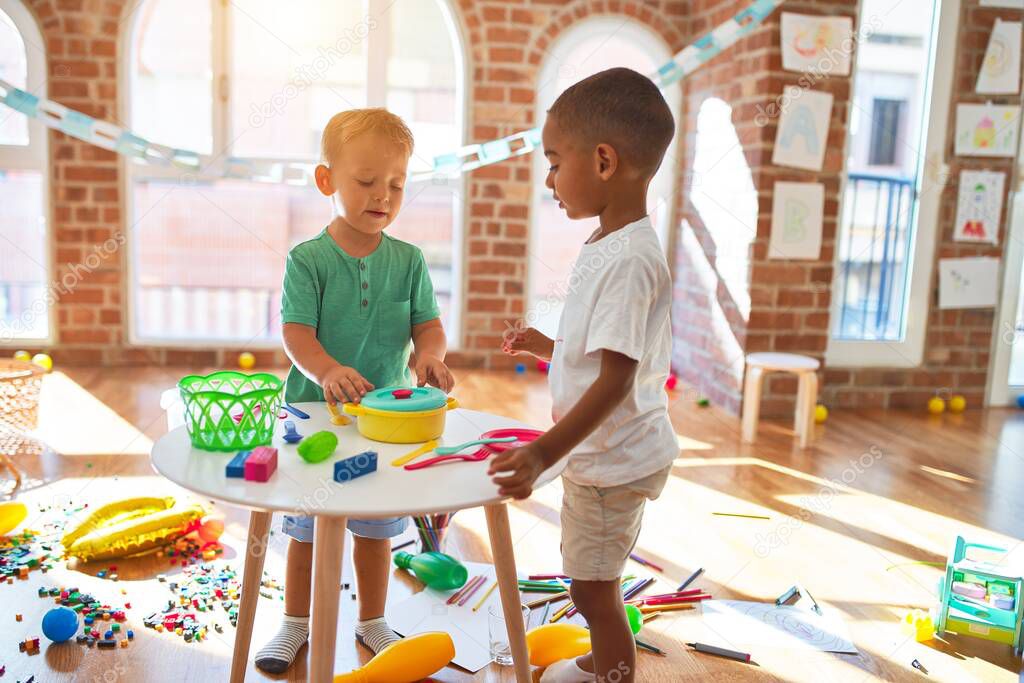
<point>230,411</point>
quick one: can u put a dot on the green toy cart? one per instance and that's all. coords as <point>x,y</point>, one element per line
<point>981,598</point>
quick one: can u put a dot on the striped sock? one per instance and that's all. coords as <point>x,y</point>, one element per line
<point>278,653</point>
<point>375,634</point>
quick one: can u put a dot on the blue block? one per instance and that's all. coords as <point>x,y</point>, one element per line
<point>236,468</point>
<point>356,466</point>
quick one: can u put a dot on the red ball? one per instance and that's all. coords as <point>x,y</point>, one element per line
<point>670,383</point>
<point>543,365</point>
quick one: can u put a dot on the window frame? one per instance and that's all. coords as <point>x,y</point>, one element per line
<point>932,172</point>
<point>563,44</point>
<point>34,156</point>
<point>221,29</point>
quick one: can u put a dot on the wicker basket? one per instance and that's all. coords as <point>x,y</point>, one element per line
<point>20,383</point>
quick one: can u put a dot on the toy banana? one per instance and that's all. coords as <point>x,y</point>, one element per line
<point>135,534</point>
<point>12,514</point>
<point>115,513</point>
<point>404,661</point>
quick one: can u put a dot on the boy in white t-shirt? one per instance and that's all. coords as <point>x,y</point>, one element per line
<point>605,138</point>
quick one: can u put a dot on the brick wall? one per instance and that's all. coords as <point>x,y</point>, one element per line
<point>790,299</point>
<point>507,40</point>
<point>957,342</point>
<point>723,310</point>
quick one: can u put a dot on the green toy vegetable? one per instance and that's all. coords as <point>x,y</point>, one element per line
<point>318,447</point>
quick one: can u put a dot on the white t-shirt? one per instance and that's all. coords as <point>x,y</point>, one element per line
<point>619,297</point>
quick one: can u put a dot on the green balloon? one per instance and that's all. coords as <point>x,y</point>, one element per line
<point>635,617</point>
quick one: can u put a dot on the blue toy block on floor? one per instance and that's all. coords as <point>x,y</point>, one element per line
<point>356,466</point>
<point>236,468</point>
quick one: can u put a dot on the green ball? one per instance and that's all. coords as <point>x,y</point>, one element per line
<point>635,617</point>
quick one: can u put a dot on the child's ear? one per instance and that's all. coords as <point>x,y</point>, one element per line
<point>607,160</point>
<point>322,174</point>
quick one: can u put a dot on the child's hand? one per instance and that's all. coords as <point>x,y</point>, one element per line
<point>528,341</point>
<point>432,370</point>
<point>524,463</point>
<point>342,383</point>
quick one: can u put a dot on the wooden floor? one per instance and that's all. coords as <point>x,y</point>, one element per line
<point>876,492</point>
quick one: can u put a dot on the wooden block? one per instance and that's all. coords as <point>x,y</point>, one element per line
<point>236,468</point>
<point>261,464</point>
<point>356,466</point>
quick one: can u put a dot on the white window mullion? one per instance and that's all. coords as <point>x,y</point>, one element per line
<point>378,47</point>
<point>220,46</point>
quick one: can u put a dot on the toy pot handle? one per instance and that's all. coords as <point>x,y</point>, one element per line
<point>353,409</point>
<point>452,403</point>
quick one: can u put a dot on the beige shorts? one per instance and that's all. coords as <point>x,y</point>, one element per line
<point>600,526</point>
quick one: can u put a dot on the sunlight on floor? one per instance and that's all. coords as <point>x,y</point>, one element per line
<point>74,422</point>
<point>688,444</point>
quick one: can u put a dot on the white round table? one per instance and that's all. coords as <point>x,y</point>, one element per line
<point>303,488</point>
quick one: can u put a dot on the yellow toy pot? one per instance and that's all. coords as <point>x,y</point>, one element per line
<point>401,414</point>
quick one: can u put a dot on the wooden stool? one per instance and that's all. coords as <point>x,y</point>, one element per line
<point>804,367</point>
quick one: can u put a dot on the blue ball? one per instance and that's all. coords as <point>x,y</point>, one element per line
<point>520,368</point>
<point>1020,401</point>
<point>60,624</point>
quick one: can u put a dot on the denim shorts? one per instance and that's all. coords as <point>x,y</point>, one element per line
<point>301,528</point>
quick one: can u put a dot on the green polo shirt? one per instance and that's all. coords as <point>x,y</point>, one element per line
<point>363,309</point>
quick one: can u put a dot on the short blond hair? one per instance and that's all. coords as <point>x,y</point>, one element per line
<point>346,125</point>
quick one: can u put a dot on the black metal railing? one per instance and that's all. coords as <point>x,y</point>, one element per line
<point>874,244</point>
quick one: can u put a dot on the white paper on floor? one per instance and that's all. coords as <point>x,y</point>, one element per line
<point>749,625</point>
<point>428,611</point>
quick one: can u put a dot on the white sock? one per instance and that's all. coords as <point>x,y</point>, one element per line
<point>279,652</point>
<point>566,671</point>
<point>375,634</point>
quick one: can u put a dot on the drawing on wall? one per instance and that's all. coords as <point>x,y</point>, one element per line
<point>815,43</point>
<point>797,213</point>
<point>979,206</point>
<point>987,130</point>
<point>803,129</point>
<point>1000,70</point>
<point>968,282</point>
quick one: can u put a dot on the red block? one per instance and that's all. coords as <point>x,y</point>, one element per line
<point>261,464</point>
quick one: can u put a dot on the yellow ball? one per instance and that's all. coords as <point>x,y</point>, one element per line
<point>24,356</point>
<point>246,360</point>
<point>957,404</point>
<point>43,361</point>
<point>936,405</point>
<point>820,413</point>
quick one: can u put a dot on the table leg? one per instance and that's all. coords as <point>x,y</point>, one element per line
<point>252,574</point>
<point>508,587</point>
<point>328,547</point>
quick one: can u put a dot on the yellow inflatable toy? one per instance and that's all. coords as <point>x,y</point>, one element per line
<point>11,515</point>
<point>130,526</point>
<point>404,661</point>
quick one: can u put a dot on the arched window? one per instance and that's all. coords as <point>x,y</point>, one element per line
<point>258,79</point>
<point>592,45</point>
<point>24,251</point>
